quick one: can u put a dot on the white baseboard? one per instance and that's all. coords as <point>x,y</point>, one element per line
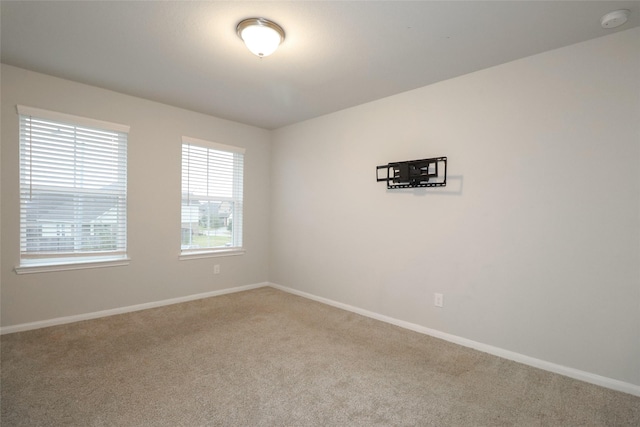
<point>496,351</point>
<point>104,313</point>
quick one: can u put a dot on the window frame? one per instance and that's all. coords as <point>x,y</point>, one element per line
<point>209,252</point>
<point>83,259</point>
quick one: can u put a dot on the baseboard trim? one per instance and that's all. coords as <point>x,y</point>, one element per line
<point>121,310</point>
<point>496,351</point>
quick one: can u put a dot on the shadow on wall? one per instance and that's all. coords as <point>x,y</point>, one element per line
<point>453,188</point>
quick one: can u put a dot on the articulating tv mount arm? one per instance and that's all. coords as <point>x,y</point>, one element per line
<point>414,173</point>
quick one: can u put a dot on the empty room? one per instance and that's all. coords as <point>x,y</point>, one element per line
<point>323,213</point>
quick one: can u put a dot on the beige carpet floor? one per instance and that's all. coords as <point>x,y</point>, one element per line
<point>268,358</point>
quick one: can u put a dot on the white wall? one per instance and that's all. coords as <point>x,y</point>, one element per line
<point>155,273</point>
<point>535,241</point>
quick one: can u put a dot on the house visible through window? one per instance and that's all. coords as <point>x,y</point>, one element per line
<point>73,189</point>
<point>212,181</point>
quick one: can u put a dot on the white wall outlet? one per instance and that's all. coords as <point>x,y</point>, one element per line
<point>438,300</point>
<point>216,269</point>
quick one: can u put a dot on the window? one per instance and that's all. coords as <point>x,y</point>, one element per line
<point>73,190</point>
<point>211,214</point>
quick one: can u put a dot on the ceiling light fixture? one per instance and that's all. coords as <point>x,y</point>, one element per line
<point>615,19</point>
<point>261,36</point>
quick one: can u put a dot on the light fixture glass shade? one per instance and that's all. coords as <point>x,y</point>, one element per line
<point>261,36</point>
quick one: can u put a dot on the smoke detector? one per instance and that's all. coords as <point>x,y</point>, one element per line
<point>615,19</point>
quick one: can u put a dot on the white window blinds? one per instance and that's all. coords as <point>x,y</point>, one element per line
<point>73,188</point>
<point>212,187</point>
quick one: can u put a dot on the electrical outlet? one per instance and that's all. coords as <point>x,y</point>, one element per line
<point>438,300</point>
<point>216,269</point>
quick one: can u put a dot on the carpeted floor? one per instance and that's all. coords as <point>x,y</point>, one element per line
<point>268,358</point>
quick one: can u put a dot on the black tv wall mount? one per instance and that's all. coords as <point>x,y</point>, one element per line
<point>414,173</point>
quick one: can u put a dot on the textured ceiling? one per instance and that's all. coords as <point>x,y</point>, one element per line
<point>335,55</point>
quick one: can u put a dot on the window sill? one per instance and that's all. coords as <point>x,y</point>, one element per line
<point>49,266</point>
<point>211,254</point>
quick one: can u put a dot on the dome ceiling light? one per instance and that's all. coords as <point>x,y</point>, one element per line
<point>261,36</point>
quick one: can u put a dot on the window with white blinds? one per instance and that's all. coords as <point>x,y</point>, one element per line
<point>73,189</point>
<point>212,186</point>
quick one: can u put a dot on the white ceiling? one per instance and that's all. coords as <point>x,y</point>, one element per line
<point>335,55</point>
